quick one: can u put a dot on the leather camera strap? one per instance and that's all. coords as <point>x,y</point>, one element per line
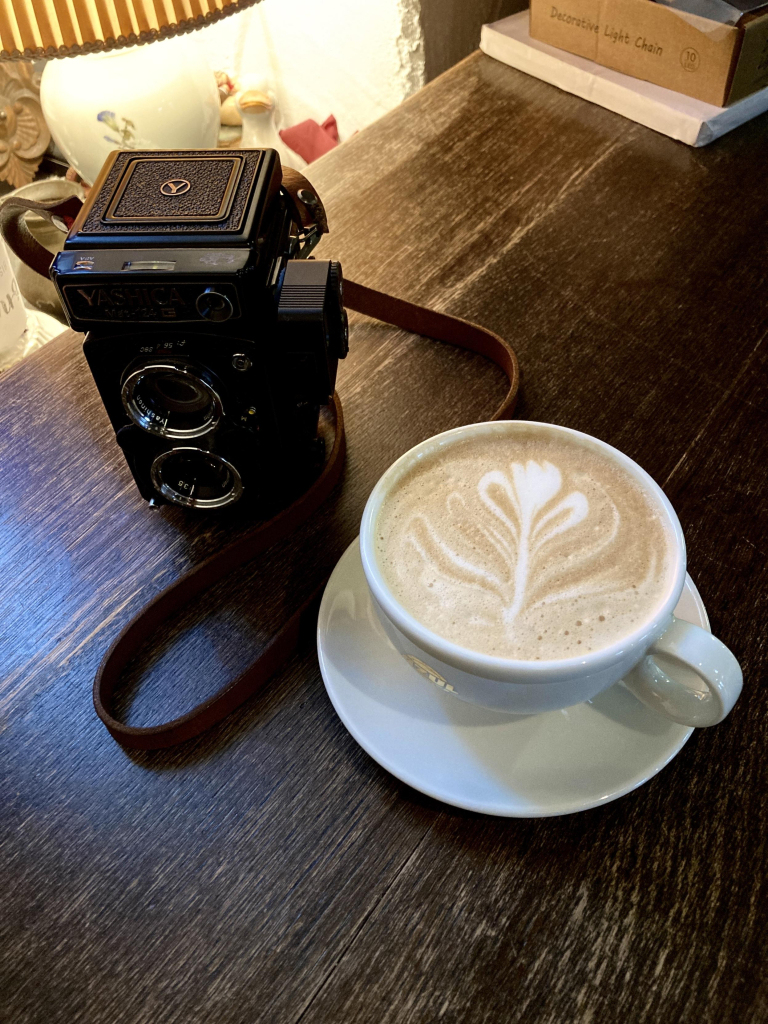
<point>408,316</point>
<point>18,237</point>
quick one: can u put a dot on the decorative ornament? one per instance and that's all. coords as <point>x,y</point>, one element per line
<point>258,109</point>
<point>24,135</point>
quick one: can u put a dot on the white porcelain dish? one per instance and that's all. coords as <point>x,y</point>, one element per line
<point>557,762</point>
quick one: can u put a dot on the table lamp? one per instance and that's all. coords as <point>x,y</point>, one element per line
<point>118,93</point>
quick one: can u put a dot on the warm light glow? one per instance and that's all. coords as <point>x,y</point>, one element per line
<point>51,28</point>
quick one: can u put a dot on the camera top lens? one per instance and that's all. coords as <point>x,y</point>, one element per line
<point>196,479</point>
<point>171,399</point>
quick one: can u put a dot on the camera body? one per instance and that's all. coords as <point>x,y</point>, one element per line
<point>213,341</point>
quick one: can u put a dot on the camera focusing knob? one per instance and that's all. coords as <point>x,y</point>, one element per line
<point>213,306</point>
<point>342,337</point>
<point>336,281</point>
<point>339,323</point>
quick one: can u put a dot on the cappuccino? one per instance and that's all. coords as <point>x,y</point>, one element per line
<point>532,546</point>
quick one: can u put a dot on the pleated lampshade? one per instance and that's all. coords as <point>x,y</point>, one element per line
<point>64,28</point>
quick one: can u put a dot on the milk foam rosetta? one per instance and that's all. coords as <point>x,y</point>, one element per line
<point>531,546</point>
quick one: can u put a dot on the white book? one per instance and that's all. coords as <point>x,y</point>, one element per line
<point>681,117</point>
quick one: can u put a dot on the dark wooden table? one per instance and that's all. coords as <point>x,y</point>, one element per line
<point>271,872</point>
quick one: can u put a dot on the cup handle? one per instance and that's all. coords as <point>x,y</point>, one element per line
<point>705,700</point>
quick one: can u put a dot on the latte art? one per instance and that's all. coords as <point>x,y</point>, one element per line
<point>533,547</point>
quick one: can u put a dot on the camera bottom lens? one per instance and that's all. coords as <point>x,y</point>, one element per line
<point>196,479</point>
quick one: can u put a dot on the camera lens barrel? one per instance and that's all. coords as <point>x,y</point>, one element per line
<point>195,478</point>
<point>171,399</point>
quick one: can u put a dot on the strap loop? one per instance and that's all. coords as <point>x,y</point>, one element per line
<point>194,582</point>
<point>13,227</point>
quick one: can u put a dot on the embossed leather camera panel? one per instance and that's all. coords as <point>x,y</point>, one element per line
<point>154,196</point>
<point>157,189</point>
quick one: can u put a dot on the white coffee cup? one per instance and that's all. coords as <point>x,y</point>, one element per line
<point>674,667</point>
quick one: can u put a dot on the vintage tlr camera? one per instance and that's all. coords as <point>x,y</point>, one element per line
<point>213,340</point>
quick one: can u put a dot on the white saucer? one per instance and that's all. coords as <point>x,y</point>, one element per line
<point>517,767</point>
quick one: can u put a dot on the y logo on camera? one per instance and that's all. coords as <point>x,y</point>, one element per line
<point>175,187</point>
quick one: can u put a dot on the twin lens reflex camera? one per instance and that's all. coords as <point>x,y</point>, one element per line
<point>212,339</point>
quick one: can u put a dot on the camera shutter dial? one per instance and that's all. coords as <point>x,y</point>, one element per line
<point>213,306</point>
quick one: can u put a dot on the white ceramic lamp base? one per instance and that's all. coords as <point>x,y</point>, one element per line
<point>162,96</point>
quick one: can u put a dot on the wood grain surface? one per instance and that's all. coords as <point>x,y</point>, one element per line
<point>270,872</point>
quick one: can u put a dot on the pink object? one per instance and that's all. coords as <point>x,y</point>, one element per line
<point>310,139</point>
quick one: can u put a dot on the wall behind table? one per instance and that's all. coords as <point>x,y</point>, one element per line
<point>356,59</point>
<point>451,29</point>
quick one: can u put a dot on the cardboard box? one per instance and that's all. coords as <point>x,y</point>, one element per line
<point>692,55</point>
